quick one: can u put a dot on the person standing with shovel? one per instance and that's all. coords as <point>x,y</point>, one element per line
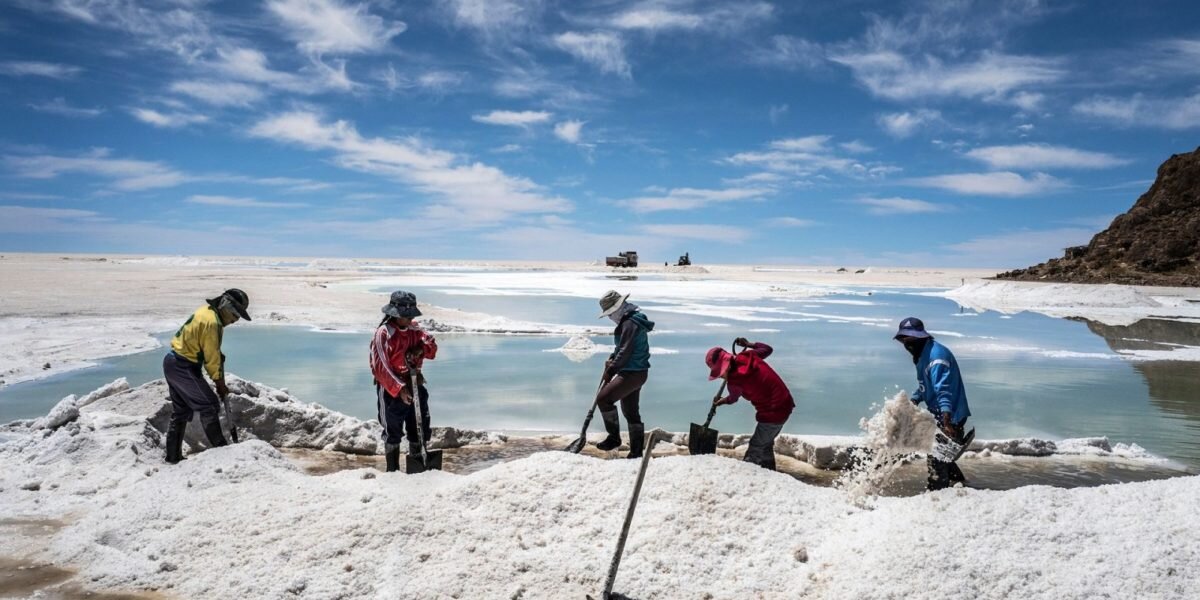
<point>748,375</point>
<point>625,372</point>
<point>197,344</point>
<point>398,343</point>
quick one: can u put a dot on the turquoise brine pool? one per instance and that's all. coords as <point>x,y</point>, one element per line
<point>1026,375</point>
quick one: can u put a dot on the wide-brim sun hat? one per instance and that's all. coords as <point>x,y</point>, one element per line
<point>717,359</point>
<point>402,305</point>
<point>610,302</point>
<point>911,327</point>
<point>239,300</point>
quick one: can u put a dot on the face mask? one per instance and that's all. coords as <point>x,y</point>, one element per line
<point>914,347</point>
<point>229,315</point>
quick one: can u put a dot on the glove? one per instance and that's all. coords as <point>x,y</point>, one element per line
<point>743,342</point>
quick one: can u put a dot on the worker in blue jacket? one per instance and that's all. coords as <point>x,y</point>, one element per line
<point>940,387</point>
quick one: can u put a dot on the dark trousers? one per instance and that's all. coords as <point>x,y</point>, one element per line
<point>945,474</point>
<point>761,450</point>
<point>625,388</point>
<point>398,417</point>
<point>190,394</point>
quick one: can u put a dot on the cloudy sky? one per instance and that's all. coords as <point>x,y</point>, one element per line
<point>947,133</point>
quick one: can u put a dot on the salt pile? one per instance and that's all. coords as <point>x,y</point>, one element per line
<point>579,348</point>
<point>242,521</point>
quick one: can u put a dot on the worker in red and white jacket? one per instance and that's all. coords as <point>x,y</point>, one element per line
<point>748,375</point>
<point>399,345</point>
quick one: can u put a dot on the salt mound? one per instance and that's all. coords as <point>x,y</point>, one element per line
<point>579,348</point>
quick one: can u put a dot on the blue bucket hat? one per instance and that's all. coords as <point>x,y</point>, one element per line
<point>402,305</point>
<point>912,327</point>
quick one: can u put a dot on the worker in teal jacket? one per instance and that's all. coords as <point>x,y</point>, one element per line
<point>940,387</point>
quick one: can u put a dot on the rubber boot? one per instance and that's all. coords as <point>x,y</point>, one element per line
<point>939,475</point>
<point>637,440</point>
<point>956,474</point>
<point>392,456</point>
<point>175,441</point>
<point>212,430</point>
<point>613,426</point>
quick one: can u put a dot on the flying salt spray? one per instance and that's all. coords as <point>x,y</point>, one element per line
<point>898,430</point>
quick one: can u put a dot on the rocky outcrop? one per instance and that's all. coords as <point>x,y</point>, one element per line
<point>1156,242</point>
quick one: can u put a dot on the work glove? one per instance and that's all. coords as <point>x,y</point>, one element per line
<point>406,395</point>
<point>743,342</point>
<point>222,389</point>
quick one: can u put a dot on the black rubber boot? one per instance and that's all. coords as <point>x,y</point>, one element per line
<point>175,441</point>
<point>939,474</point>
<point>212,430</point>
<point>956,474</point>
<point>637,440</point>
<point>613,426</point>
<point>392,456</point>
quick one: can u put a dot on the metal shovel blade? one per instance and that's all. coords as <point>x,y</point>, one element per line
<point>576,446</point>
<point>414,465</point>
<point>702,440</point>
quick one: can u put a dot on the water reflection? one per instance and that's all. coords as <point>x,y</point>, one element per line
<point>1174,386</point>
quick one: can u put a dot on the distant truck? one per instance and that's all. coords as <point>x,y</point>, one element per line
<point>622,259</point>
<point>685,260</point>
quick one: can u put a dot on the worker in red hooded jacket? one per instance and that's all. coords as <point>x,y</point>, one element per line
<point>748,375</point>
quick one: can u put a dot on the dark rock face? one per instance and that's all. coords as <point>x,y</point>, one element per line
<point>1157,242</point>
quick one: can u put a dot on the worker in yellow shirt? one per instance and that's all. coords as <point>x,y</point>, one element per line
<point>198,342</point>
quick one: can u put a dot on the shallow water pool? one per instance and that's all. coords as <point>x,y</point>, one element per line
<point>1026,375</point>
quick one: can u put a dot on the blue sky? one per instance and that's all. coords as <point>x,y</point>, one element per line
<point>946,133</point>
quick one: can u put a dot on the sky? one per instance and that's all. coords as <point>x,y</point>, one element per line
<point>926,134</point>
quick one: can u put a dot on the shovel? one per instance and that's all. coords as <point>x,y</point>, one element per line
<point>429,460</point>
<point>576,446</point>
<point>701,439</point>
<point>948,450</point>
<point>652,438</point>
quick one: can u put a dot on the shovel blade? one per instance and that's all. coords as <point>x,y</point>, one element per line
<point>576,446</point>
<point>702,440</point>
<point>414,465</point>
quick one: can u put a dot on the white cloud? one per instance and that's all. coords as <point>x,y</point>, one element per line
<point>1042,156</point>
<point>27,219</point>
<point>808,156</point>
<point>692,198</point>
<point>993,76</point>
<point>789,52</point>
<point>754,178</point>
<point>1000,183</point>
<point>33,68</point>
<point>509,118</point>
<point>494,18</point>
<point>59,106</point>
<point>790,222</point>
<point>655,19</point>
<point>176,26</point>
<point>440,81</point>
<point>238,202</point>
<point>904,124</point>
<point>329,26</point>
<point>604,51</point>
<point>856,147</point>
<point>776,112</point>
<point>899,206</point>
<point>127,174</point>
<point>658,15</point>
<point>508,148</point>
<point>713,233</point>
<point>470,192</point>
<point>569,131</point>
<point>218,93</point>
<point>168,120</point>
<point>1141,111</point>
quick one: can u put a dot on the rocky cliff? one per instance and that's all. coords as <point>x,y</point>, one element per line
<point>1156,242</point>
